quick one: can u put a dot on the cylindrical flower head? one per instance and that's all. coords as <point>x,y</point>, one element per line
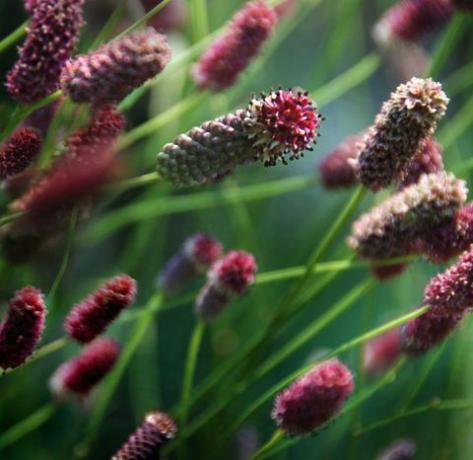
<point>19,151</point>
<point>115,69</point>
<point>146,442</point>
<point>229,277</point>
<point>427,160</point>
<point>22,327</point>
<point>314,399</point>
<point>421,334</point>
<point>390,229</point>
<point>196,256</point>
<point>173,16</point>
<point>463,5</point>
<point>452,290</point>
<point>78,376</point>
<point>229,55</point>
<point>411,20</point>
<point>94,314</point>
<point>382,352</point>
<point>402,449</point>
<point>274,126</point>
<point>52,35</point>
<point>337,168</point>
<point>408,117</point>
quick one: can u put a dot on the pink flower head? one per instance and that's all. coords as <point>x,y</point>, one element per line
<point>428,330</point>
<point>412,19</point>
<point>229,55</point>
<point>22,327</point>
<point>94,314</point>
<point>402,449</point>
<point>196,256</point>
<point>52,35</point>
<point>81,374</point>
<point>382,352</point>
<point>114,70</point>
<point>228,277</point>
<point>452,290</point>
<point>19,151</point>
<point>146,442</point>
<point>173,16</point>
<point>30,5</point>
<point>314,399</point>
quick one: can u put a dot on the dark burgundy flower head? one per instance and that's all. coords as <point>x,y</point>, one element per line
<point>314,399</point>
<point>229,55</point>
<point>19,151</point>
<point>21,329</point>
<point>80,375</point>
<point>52,35</point>
<point>94,314</point>
<point>196,256</point>
<point>124,64</point>
<point>173,16</point>
<point>402,449</point>
<point>228,277</point>
<point>146,442</point>
<point>382,352</point>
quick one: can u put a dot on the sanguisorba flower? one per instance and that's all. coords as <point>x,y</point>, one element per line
<point>314,399</point>
<point>390,229</point>
<point>401,449</point>
<point>229,277</point>
<point>22,327</point>
<point>412,19</point>
<point>274,127</point>
<point>52,35</point>
<point>19,151</point>
<point>409,116</point>
<point>96,312</point>
<point>382,352</point>
<point>111,72</point>
<point>197,254</point>
<point>147,441</point>
<point>229,55</point>
<point>80,375</point>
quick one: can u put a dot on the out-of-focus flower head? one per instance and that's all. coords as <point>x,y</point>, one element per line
<point>382,352</point>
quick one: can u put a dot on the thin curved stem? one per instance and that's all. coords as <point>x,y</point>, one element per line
<point>14,37</point>
<point>277,436</point>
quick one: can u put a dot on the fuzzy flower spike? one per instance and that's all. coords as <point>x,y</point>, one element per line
<point>22,327</point>
<point>147,441</point>
<point>314,399</point>
<point>408,117</point>
<point>274,127</point>
<point>115,69</point>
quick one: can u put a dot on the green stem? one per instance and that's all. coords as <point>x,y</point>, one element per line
<point>133,182</point>
<point>277,436</point>
<point>199,17</point>
<point>14,37</point>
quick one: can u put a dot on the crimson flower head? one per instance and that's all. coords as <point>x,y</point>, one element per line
<point>22,327</point>
<point>124,64</point>
<point>19,151</point>
<point>382,352</point>
<point>402,449</point>
<point>229,55</point>
<point>78,376</point>
<point>94,314</point>
<point>229,277</point>
<point>147,441</point>
<point>196,256</point>
<point>314,399</point>
<point>52,35</point>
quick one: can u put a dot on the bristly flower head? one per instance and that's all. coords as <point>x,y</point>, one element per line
<point>337,169</point>
<point>229,277</point>
<point>52,35</point>
<point>196,256</point>
<point>94,314</point>
<point>452,290</point>
<point>382,352</point>
<point>389,229</point>
<point>146,442</point>
<point>313,399</point>
<point>463,5</point>
<point>411,20</point>
<point>22,327</point>
<point>19,151</point>
<point>124,64</point>
<point>402,449</point>
<point>78,376</point>
<point>421,334</point>
<point>229,55</point>
<point>408,117</point>
<point>275,126</point>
